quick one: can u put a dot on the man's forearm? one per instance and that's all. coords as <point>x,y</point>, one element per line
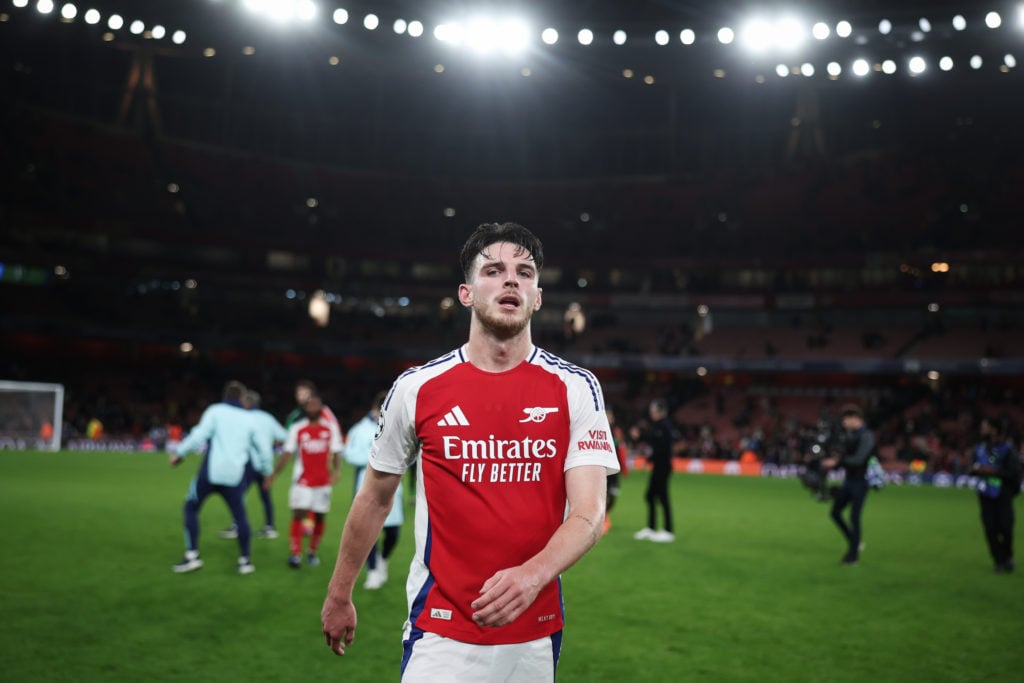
<point>571,541</point>
<point>362,527</point>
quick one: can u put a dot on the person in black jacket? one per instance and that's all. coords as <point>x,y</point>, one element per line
<point>661,438</point>
<point>856,447</point>
<point>997,465</point>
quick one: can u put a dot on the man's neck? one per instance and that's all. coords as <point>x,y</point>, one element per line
<point>496,355</point>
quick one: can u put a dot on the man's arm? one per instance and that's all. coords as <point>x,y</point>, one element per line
<point>508,593</point>
<point>362,528</point>
<point>282,462</point>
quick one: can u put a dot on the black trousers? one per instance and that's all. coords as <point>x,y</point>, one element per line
<point>997,518</point>
<point>852,493</point>
<point>657,492</point>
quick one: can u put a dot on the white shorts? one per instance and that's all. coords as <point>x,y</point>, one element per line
<point>315,498</point>
<point>436,659</point>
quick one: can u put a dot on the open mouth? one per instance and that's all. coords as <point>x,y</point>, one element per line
<point>509,301</point>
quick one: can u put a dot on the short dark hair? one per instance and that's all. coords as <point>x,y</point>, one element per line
<point>233,391</point>
<point>487,234</point>
<point>307,384</point>
<point>851,410</point>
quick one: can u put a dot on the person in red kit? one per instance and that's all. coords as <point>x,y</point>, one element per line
<point>317,444</point>
<point>516,449</point>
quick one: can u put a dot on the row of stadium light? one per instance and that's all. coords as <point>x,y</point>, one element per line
<point>512,36</point>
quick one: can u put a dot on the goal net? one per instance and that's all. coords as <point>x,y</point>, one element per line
<point>31,415</point>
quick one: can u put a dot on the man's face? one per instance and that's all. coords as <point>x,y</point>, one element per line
<point>503,290</point>
<point>302,395</point>
<point>852,423</point>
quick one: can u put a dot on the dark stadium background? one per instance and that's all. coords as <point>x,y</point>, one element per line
<point>165,217</point>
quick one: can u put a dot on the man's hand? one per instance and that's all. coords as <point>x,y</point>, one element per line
<point>505,596</point>
<point>175,459</point>
<point>268,481</point>
<point>339,624</point>
<point>829,463</point>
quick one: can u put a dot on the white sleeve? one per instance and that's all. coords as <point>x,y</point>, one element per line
<point>337,446</point>
<point>590,436</point>
<point>395,445</point>
<point>291,444</point>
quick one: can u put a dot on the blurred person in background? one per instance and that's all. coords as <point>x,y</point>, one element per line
<point>269,432</point>
<point>316,445</point>
<point>856,446</point>
<point>304,390</point>
<point>228,431</point>
<point>997,465</point>
<point>357,453</point>
<point>613,479</point>
<point>661,437</point>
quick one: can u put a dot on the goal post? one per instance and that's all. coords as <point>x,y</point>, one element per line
<point>31,415</point>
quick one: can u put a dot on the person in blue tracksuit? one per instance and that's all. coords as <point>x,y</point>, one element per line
<point>269,432</point>
<point>228,431</point>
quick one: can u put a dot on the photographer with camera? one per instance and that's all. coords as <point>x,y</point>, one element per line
<point>857,444</point>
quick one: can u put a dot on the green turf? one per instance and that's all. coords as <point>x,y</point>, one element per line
<point>751,591</point>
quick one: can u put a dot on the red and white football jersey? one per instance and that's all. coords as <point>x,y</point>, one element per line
<point>312,446</point>
<point>491,487</point>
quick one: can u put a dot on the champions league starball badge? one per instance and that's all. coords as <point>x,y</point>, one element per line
<point>380,426</point>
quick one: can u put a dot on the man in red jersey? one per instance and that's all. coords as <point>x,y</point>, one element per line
<point>516,449</point>
<point>318,445</point>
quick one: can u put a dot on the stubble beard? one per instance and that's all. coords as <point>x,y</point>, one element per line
<point>502,326</point>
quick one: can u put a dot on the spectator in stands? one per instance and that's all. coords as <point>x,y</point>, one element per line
<point>857,445</point>
<point>997,464</point>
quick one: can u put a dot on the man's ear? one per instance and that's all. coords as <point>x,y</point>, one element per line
<point>537,304</point>
<point>465,295</point>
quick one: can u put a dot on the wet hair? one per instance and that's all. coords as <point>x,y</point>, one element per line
<point>233,391</point>
<point>490,233</point>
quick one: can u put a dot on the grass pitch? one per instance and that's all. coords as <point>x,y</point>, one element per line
<point>751,590</point>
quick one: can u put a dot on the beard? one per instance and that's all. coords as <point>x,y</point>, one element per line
<point>500,323</point>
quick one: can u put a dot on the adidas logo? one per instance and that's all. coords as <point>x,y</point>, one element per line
<point>454,418</point>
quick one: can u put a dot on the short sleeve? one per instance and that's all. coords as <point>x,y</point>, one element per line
<point>395,444</point>
<point>590,435</point>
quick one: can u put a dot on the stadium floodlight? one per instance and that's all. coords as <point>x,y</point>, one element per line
<point>340,16</point>
<point>452,33</point>
<point>585,36</point>
<point>1010,61</point>
<point>726,35</point>
<point>21,3</point>
<point>924,25</point>
<point>917,65</point>
<point>834,69</point>
<point>782,70</point>
<point>415,28</point>
<point>400,26</point>
<point>756,35</point>
<point>484,35</point>
<point>844,29</point>
<point>137,27</point>
<point>861,67</point>
<point>549,36</point>
<point>959,23</point>
<point>619,37</point>
<point>371,22</point>
<point>821,31</point>
<point>687,36</point>
<point>661,37</point>
<point>158,32</point>
<point>807,69</point>
<point>993,20</point>
<point>946,63</point>
<point>68,12</point>
<point>790,33</point>
<point>92,17</point>
<point>976,62</point>
<point>885,27</point>
<point>178,37</point>
<point>44,6</point>
<point>889,67</point>
<point>305,10</point>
